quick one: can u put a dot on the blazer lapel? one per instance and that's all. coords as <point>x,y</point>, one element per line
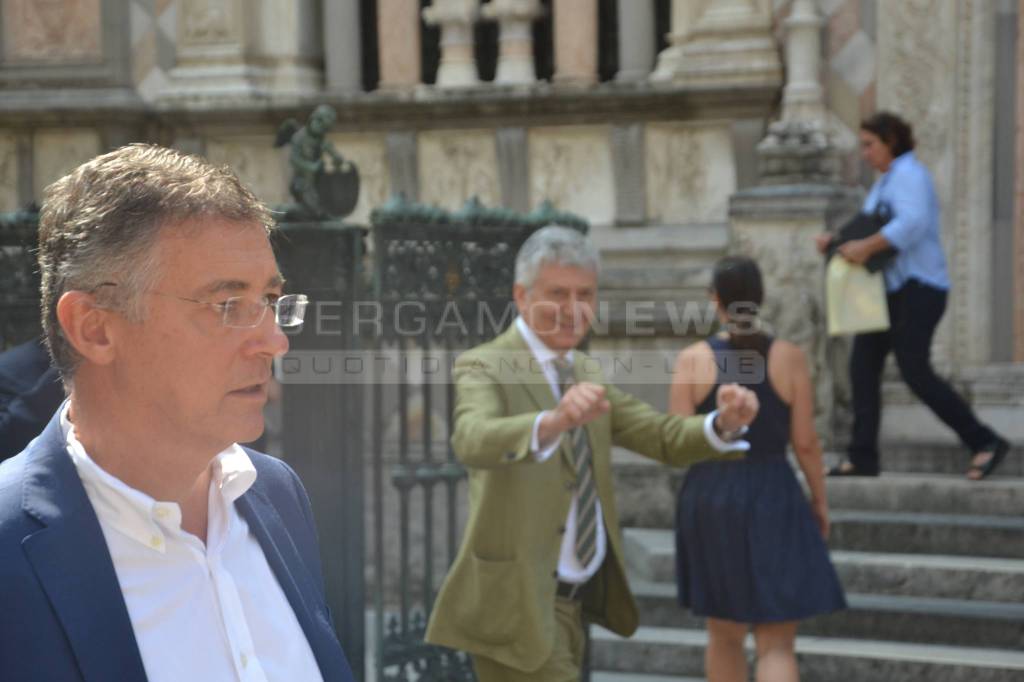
<point>283,557</point>
<point>69,556</point>
<point>528,369</point>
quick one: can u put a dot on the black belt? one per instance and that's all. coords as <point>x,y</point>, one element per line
<point>569,590</point>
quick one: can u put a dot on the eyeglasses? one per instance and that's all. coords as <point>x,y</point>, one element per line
<point>240,312</point>
<point>244,313</point>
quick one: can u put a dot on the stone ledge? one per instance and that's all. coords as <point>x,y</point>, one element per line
<point>800,201</point>
<point>424,107</point>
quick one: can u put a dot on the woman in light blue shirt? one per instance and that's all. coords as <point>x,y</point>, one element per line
<point>917,283</point>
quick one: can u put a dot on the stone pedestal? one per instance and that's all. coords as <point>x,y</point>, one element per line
<point>575,42</point>
<point>228,49</point>
<point>636,39</point>
<point>458,61</point>
<point>515,56</point>
<point>724,43</point>
<point>343,56</point>
<point>398,44</point>
<point>776,225</point>
<point>797,152</point>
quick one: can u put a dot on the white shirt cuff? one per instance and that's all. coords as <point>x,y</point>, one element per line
<point>716,441</point>
<point>538,454</point>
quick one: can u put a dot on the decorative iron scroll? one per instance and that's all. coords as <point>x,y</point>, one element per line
<point>19,277</point>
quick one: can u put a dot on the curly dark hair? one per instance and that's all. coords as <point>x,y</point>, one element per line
<point>892,130</point>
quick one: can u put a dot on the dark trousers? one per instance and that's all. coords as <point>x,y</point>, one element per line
<point>914,312</point>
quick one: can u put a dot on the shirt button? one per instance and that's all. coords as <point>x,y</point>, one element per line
<point>245,660</point>
<point>161,512</point>
<point>156,542</point>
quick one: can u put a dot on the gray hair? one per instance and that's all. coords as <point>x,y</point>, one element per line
<point>554,245</point>
<point>98,225</point>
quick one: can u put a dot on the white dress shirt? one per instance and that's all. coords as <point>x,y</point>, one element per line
<point>200,612</point>
<point>569,568</point>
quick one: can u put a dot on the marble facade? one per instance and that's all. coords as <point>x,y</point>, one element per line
<point>184,70</point>
<point>457,165</point>
<point>49,31</point>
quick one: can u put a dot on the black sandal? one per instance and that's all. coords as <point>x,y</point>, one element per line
<point>999,452</point>
<point>838,470</point>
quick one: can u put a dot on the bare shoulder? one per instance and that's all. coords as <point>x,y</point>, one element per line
<point>696,350</point>
<point>787,366</point>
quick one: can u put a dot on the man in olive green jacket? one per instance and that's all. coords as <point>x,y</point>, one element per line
<point>539,555</point>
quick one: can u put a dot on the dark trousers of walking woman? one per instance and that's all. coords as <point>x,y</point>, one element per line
<point>914,312</point>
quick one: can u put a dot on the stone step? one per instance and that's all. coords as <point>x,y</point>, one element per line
<point>908,619</point>
<point>673,651</point>
<point>600,676</point>
<point>646,493</point>
<point>917,533</point>
<point>650,556</point>
<point>906,456</point>
<point>937,493</point>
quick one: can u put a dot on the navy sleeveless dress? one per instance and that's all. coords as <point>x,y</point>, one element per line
<point>747,546</point>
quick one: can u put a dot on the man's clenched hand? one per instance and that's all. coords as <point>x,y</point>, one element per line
<point>737,407</point>
<point>581,404</point>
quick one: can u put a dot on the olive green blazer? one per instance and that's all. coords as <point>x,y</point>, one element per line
<point>498,599</point>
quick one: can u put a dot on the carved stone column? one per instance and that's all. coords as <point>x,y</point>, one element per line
<point>802,97</point>
<point>458,60</point>
<point>1018,218</point>
<point>343,56</point>
<point>229,49</point>
<point>398,43</point>
<point>724,42</point>
<point>799,148</point>
<point>575,42</point>
<point>515,57</point>
<point>636,39</point>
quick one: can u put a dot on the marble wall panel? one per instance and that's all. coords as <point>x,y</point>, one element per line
<point>571,166</point>
<point>455,165</point>
<point>257,163</point>
<point>59,151</point>
<point>690,173</point>
<point>369,154</point>
<point>52,31</point>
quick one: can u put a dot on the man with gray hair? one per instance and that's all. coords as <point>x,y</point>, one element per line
<point>535,422</point>
<point>138,540</point>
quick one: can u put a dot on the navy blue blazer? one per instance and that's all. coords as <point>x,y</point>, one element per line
<point>30,390</point>
<point>62,614</point>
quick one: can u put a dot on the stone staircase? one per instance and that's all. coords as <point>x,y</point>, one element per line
<point>933,567</point>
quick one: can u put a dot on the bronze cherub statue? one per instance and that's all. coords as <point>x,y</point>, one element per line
<point>319,193</point>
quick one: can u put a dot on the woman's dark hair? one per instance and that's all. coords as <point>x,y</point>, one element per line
<point>892,130</point>
<point>736,280</point>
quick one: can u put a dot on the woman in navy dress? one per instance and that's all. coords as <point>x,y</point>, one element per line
<point>750,549</point>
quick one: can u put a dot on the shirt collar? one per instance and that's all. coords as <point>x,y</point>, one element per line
<point>905,157</point>
<point>544,355</point>
<point>136,514</point>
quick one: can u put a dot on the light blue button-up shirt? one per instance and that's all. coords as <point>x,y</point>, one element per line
<point>908,190</point>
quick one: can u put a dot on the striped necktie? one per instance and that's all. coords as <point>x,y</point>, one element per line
<point>586,492</point>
